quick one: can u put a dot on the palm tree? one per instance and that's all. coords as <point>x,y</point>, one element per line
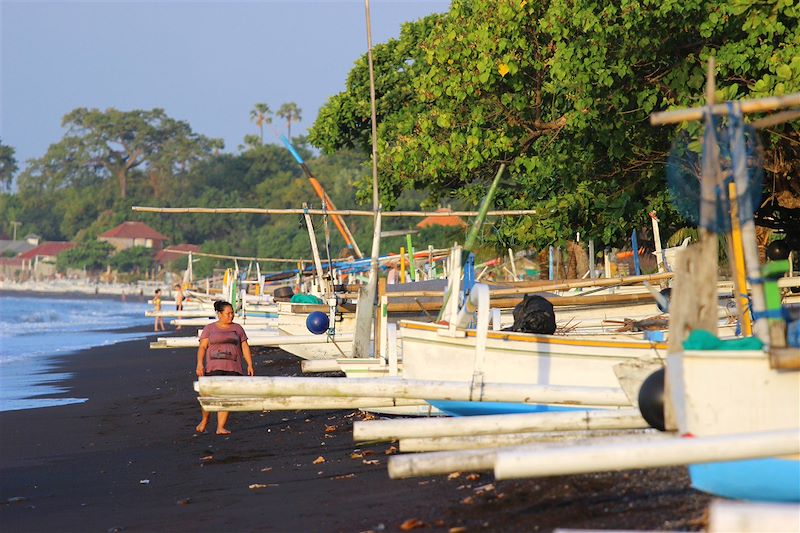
<point>290,113</point>
<point>261,114</point>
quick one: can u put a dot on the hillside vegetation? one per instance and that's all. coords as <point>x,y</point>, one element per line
<point>561,91</point>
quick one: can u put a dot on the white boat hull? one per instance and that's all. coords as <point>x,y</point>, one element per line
<point>519,357</point>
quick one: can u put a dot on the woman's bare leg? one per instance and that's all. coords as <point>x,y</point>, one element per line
<point>201,427</point>
<point>222,419</point>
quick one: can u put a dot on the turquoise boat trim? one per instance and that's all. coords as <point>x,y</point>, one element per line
<point>770,480</point>
<point>453,408</point>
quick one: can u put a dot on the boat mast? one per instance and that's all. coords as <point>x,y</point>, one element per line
<point>367,303</point>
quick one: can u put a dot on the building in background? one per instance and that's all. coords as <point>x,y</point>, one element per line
<point>130,234</point>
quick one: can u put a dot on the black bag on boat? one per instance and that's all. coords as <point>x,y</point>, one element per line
<point>534,314</point>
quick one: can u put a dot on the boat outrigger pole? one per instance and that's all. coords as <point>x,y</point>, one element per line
<point>349,240</point>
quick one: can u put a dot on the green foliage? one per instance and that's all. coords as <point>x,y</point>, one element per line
<point>135,259</point>
<point>679,235</point>
<point>90,255</point>
<point>8,165</point>
<point>67,205</point>
<point>561,90</point>
<point>10,211</point>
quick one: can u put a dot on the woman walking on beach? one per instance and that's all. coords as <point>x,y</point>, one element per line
<point>223,345</point>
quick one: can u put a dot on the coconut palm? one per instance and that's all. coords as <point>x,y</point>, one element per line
<point>290,113</point>
<point>261,114</point>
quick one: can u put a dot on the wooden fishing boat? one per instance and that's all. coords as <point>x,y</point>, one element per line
<point>428,353</point>
<point>735,409</point>
<point>292,322</point>
<point>719,392</point>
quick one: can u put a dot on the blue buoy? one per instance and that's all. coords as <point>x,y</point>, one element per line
<point>317,322</point>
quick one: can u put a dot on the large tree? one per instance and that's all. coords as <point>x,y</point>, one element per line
<point>113,144</point>
<point>136,259</point>
<point>561,91</point>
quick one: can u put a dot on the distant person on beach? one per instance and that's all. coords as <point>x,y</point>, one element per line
<point>157,307</point>
<point>392,276</point>
<point>223,345</point>
<point>178,299</point>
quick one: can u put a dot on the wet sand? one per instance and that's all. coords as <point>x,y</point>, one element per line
<point>128,460</point>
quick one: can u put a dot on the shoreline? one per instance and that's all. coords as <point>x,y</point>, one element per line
<point>46,373</point>
<point>141,468</point>
<point>74,295</point>
<point>85,289</point>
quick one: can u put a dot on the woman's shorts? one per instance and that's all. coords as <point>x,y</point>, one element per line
<point>222,373</point>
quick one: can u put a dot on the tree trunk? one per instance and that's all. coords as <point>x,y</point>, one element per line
<point>122,178</point>
<point>154,183</point>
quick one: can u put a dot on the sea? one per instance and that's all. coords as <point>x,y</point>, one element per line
<point>36,331</point>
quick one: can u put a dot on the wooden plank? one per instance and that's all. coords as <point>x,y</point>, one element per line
<point>378,316</point>
<point>363,323</point>
<point>694,293</point>
<point>693,304</point>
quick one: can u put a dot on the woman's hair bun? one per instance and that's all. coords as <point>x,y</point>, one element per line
<point>219,305</point>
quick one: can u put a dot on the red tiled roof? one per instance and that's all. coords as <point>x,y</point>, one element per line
<point>134,230</point>
<point>47,249</point>
<point>450,221</point>
<point>170,253</point>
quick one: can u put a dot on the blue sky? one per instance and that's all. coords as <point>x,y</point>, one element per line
<point>203,62</point>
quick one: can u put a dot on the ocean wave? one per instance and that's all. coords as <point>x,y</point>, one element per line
<point>49,326</point>
<point>32,330</point>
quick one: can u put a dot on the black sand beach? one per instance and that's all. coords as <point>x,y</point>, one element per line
<point>128,460</point>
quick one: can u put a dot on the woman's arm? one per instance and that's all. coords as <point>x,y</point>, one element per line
<point>201,357</point>
<point>248,358</point>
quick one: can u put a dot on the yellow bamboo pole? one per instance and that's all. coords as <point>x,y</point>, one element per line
<point>402,265</point>
<point>739,272</point>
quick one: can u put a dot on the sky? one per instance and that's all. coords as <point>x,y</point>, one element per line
<point>206,63</point>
